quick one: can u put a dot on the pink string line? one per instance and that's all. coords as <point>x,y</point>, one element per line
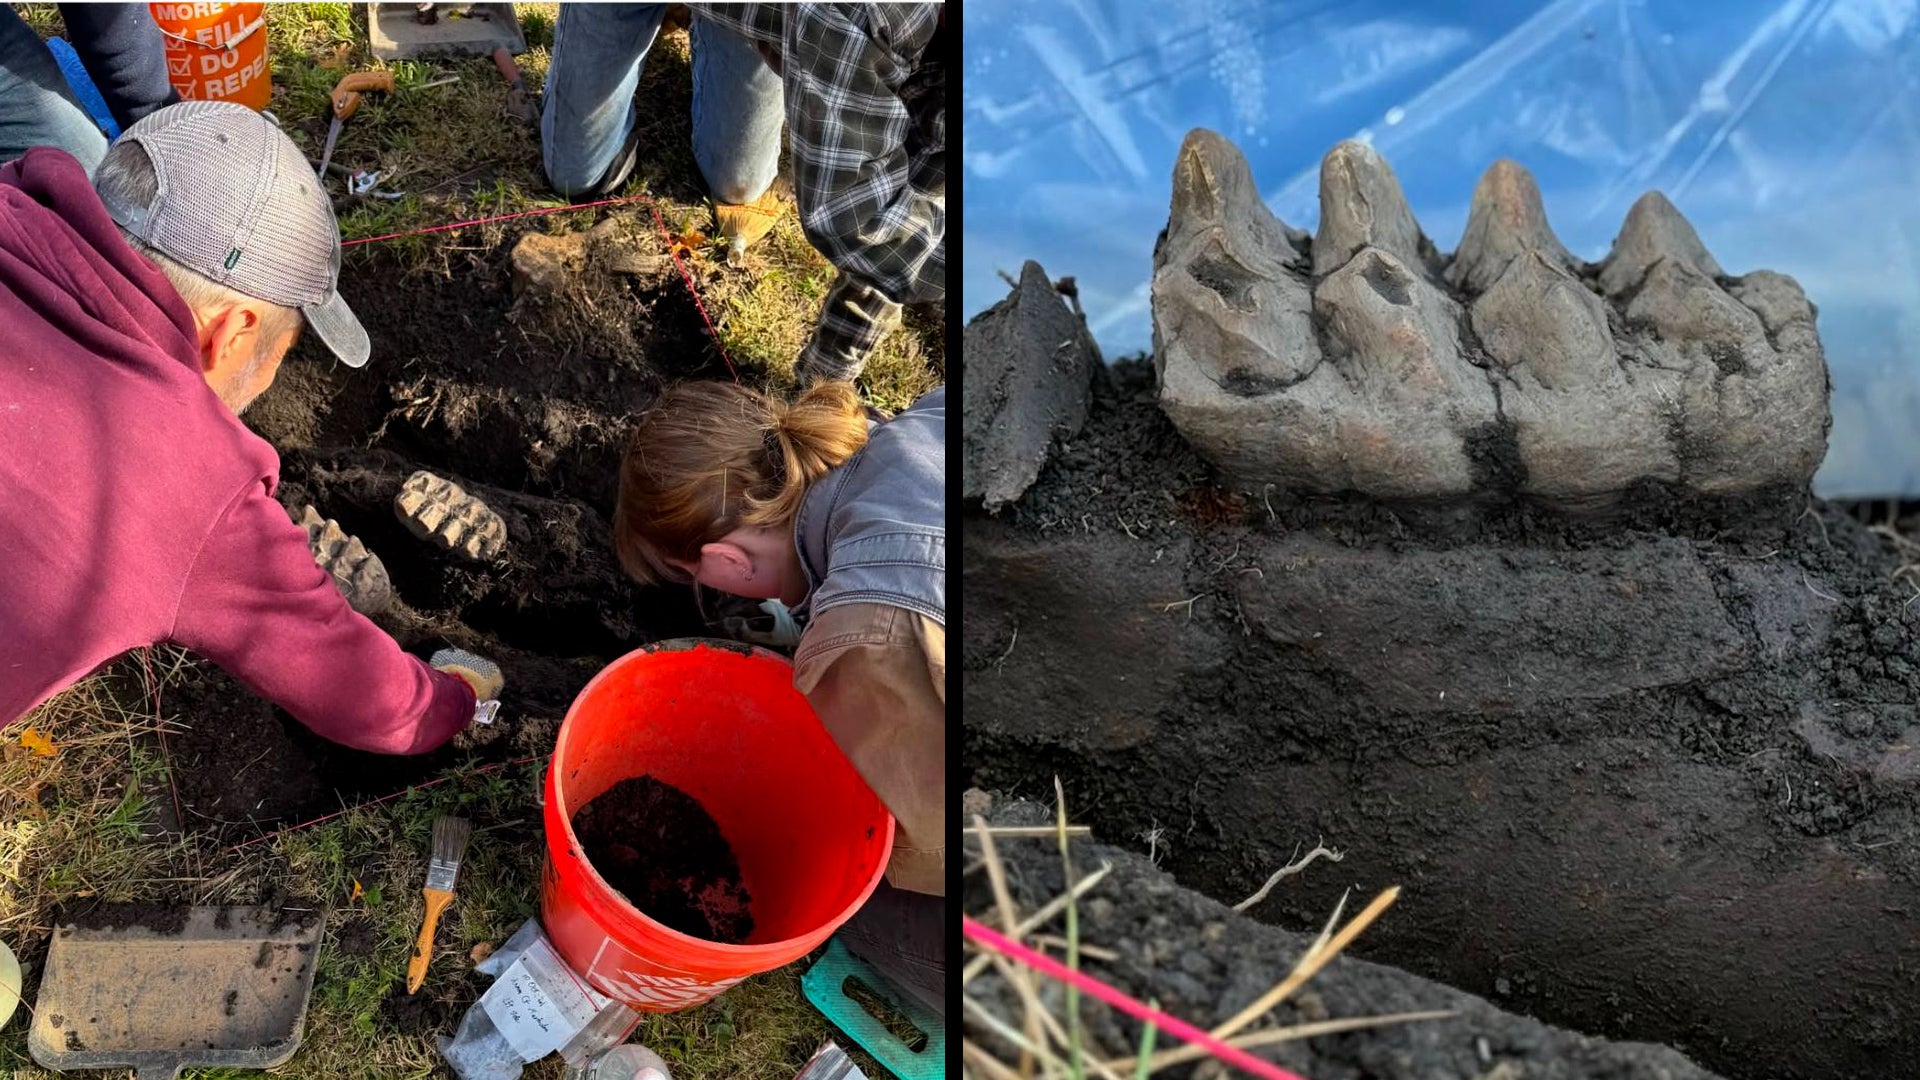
<point>691,291</point>
<point>665,236</point>
<point>1172,1025</point>
<point>376,802</point>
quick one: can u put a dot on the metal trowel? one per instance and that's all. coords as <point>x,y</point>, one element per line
<point>226,987</point>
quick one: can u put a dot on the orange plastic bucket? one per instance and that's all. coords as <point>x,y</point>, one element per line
<point>722,722</point>
<point>217,52</point>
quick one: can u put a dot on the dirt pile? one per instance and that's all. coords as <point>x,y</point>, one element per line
<point>1641,776</point>
<point>661,849</point>
<point>1204,963</point>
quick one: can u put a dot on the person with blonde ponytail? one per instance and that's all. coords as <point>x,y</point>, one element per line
<point>844,521</point>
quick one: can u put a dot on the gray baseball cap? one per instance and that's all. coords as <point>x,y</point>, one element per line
<point>239,204</point>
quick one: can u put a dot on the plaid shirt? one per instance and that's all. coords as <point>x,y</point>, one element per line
<point>866,120</point>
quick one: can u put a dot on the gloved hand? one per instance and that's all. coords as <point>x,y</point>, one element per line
<point>742,224</point>
<point>480,673</point>
<point>484,676</point>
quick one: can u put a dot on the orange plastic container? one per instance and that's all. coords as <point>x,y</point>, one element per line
<point>217,52</point>
<point>722,722</point>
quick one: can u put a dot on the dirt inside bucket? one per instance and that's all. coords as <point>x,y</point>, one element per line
<point>663,851</point>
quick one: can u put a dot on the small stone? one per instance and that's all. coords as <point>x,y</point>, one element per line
<point>544,266</point>
<point>1030,371</point>
<point>973,802</point>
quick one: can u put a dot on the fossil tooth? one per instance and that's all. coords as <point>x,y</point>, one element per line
<point>442,512</point>
<point>361,577</point>
<point>1213,185</point>
<point>1361,205</point>
<point>1696,317</point>
<point>1401,333</point>
<point>1506,220</point>
<point>1539,316</point>
<point>1229,313</point>
<point>1654,230</point>
<point>1367,376</point>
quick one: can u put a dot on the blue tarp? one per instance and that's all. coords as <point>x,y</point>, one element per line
<point>1788,133</point>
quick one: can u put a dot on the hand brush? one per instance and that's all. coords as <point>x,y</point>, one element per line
<point>450,835</point>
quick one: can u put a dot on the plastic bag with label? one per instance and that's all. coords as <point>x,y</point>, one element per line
<point>537,1005</point>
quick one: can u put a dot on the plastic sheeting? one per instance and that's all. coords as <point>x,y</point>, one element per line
<point>1788,133</point>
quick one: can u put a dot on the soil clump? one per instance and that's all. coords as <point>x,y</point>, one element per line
<point>665,854</point>
<point>356,937</point>
<point>162,919</point>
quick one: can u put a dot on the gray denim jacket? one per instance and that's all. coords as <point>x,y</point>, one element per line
<point>874,530</point>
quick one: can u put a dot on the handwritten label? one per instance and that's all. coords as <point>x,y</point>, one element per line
<point>538,1005</point>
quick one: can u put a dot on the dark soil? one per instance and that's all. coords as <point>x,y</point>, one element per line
<point>356,937</point>
<point>159,918</point>
<point>424,1013</point>
<point>1640,776</point>
<point>1203,963</point>
<point>529,418</point>
<point>659,847</point>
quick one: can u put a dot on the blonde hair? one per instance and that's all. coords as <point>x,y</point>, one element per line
<point>126,173</point>
<point>712,457</point>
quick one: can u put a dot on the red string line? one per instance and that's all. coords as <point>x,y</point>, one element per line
<point>665,237</point>
<point>1166,1022</point>
<point>376,802</point>
<point>691,291</point>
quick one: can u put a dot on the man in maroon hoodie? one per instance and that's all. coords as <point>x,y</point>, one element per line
<point>139,315</point>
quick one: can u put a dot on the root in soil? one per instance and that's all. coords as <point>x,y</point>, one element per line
<point>662,850</point>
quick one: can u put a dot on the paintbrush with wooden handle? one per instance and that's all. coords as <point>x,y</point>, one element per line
<point>450,835</point>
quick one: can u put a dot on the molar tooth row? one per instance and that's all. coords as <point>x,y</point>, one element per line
<point>1582,381</point>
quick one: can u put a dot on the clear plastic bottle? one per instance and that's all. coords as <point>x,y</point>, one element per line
<point>629,1062</point>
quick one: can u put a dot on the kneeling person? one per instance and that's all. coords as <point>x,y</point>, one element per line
<point>139,315</point>
<point>728,488</point>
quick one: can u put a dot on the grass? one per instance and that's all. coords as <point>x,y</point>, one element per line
<point>457,154</point>
<point>83,824</point>
<point>1040,1045</point>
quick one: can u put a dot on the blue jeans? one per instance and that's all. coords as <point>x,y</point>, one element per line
<point>36,106</point>
<point>597,53</point>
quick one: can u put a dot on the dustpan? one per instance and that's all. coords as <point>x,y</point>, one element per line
<point>228,986</point>
<point>395,33</point>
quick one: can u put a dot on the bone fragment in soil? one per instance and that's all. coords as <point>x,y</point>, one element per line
<point>1030,372</point>
<point>1372,363</point>
<point>441,512</point>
